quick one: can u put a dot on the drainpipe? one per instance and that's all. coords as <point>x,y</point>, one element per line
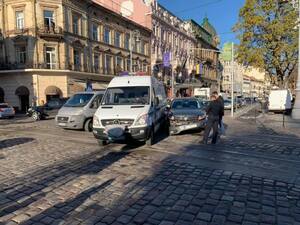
<point>36,31</point>
<point>4,31</point>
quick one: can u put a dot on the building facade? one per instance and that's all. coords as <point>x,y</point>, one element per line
<point>172,45</point>
<point>54,48</point>
<point>238,77</point>
<point>206,54</point>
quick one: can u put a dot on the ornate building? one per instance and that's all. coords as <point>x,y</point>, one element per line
<point>206,54</point>
<point>53,48</point>
<point>172,45</point>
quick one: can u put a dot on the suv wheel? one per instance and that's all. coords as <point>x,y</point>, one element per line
<point>88,126</point>
<point>36,116</point>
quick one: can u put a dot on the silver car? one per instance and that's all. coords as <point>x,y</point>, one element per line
<point>77,113</point>
<point>6,111</point>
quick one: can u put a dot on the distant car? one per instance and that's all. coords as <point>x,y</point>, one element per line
<point>227,104</point>
<point>186,114</point>
<point>6,111</point>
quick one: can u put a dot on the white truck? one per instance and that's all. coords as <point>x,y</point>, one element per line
<point>202,93</point>
<point>280,101</point>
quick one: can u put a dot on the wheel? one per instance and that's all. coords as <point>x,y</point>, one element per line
<point>151,138</point>
<point>11,117</point>
<point>88,125</point>
<point>36,116</point>
<point>102,142</point>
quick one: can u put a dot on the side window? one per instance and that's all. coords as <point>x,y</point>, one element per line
<point>96,102</point>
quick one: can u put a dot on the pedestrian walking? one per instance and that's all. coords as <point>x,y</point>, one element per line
<point>213,111</point>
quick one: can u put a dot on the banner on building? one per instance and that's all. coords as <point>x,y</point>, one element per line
<point>166,59</point>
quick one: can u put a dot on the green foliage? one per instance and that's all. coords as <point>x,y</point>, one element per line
<point>268,34</point>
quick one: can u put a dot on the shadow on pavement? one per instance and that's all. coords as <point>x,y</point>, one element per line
<point>7,143</point>
<point>63,209</point>
<point>25,190</point>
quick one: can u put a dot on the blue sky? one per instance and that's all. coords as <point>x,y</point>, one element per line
<point>222,14</point>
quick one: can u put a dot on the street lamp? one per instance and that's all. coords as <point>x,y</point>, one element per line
<point>133,35</point>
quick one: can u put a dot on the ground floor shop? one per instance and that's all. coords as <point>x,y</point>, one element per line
<point>21,89</point>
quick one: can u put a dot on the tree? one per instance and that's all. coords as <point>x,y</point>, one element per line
<point>267,30</point>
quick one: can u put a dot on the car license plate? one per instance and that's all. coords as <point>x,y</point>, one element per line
<point>186,127</point>
<point>62,124</point>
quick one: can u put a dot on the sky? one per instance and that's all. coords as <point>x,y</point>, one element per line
<point>222,14</point>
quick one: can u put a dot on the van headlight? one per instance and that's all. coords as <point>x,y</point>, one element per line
<point>143,120</point>
<point>96,122</point>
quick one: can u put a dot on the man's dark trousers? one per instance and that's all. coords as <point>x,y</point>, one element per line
<point>212,123</point>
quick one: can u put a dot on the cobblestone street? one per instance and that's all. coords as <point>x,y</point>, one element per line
<point>54,176</point>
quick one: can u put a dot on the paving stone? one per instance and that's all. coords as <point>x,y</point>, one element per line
<point>204,216</point>
<point>124,219</point>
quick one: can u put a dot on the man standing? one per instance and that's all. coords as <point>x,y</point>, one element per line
<point>213,111</point>
<point>221,100</point>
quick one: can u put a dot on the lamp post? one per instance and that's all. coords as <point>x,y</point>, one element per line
<point>133,35</point>
<point>296,110</point>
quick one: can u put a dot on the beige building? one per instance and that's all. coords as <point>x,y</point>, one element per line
<point>52,48</point>
<point>172,38</point>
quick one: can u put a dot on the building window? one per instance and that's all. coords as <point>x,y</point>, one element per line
<point>95,32</point>
<point>143,48</point>
<point>117,39</point>
<point>50,58</point>
<point>96,62</point>
<point>108,64</point>
<point>21,54</point>
<point>127,41</point>
<point>76,21</point>
<point>20,20</point>
<point>106,35</point>
<point>77,60</point>
<point>119,63</point>
<point>48,19</point>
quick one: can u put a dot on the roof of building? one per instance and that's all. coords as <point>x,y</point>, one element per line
<point>208,26</point>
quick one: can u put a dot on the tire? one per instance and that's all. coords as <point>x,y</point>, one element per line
<point>151,139</point>
<point>88,125</point>
<point>102,143</point>
<point>36,116</point>
<point>11,117</point>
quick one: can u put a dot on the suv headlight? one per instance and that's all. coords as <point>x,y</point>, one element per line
<point>143,120</point>
<point>96,122</point>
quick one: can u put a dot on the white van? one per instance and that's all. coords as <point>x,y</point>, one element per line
<point>78,111</point>
<point>280,101</point>
<point>133,108</point>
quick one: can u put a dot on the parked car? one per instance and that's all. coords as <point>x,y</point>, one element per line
<point>133,108</point>
<point>50,109</point>
<point>227,104</point>
<point>77,113</point>
<point>186,114</point>
<point>6,111</point>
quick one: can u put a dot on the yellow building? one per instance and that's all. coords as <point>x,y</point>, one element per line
<point>52,48</point>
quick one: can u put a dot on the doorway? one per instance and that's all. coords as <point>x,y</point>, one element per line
<point>1,95</point>
<point>23,93</point>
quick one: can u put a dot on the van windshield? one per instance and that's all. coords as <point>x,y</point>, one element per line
<point>127,96</point>
<point>79,100</point>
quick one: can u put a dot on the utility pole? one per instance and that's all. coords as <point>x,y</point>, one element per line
<point>296,110</point>
<point>232,77</point>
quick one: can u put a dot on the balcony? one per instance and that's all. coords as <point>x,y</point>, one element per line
<point>51,33</point>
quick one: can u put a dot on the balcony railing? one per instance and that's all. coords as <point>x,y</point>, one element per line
<point>72,67</point>
<point>50,32</point>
